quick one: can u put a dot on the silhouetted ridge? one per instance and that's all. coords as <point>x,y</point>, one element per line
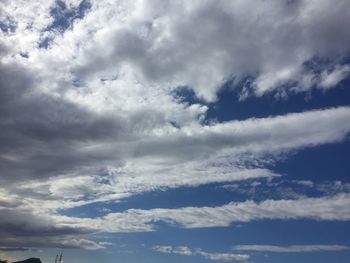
<point>30,260</point>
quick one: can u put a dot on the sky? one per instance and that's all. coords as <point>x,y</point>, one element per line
<point>175,131</point>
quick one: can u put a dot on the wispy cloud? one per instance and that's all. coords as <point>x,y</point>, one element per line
<point>291,249</point>
<point>138,220</point>
<point>183,250</point>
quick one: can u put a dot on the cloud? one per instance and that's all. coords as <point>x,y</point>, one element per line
<point>224,44</point>
<point>271,41</point>
<point>183,250</point>
<point>332,78</point>
<point>291,249</point>
<point>121,122</point>
<point>226,257</point>
<point>23,228</point>
<point>64,242</point>
<point>163,249</point>
<point>13,249</point>
<point>134,151</point>
<point>282,188</point>
<point>330,208</point>
<point>92,116</point>
<point>68,156</point>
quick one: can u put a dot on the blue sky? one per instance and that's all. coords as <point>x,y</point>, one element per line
<point>163,131</point>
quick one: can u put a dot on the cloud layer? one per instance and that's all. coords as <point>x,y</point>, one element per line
<point>88,111</point>
<point>138,220</point>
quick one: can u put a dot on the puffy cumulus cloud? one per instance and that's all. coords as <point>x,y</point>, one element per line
<point>291,249</point>
<point>202,45</point>
<point>183,250</point>
<point>196,44</point>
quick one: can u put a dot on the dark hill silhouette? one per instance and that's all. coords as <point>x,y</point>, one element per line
<point>30,260</point>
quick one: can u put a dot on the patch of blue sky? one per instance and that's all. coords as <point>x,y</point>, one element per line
<point>186,95</point>
<point>228,107</point>
<point>203,195</point>
<point>222,239</point>
<point>326,166</point>
<point>8,25</point>
<point>130,247</point>
<point>320,257</point>
<point>317,64</point>
<point>326,162</point>
<point>215,195</point>
<point>63,19</point>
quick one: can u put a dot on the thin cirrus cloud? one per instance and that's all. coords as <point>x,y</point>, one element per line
<point>62,229</point>
<point>331,208</point>
<point>185,251</point>
<point>291,249</point>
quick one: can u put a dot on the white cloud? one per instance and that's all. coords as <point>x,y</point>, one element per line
<point>330,79</point>
<point>226,257</point>
<point>282,188</point>
<point>291,249</point>
<point>82,243</point>
<point>138,220</point>
<point>93,117</point>
<point>188,43</point>
<point>183,250</point>
<point>163,249</point>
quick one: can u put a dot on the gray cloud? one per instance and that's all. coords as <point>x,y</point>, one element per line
<point>34,124</point>
<point>91,118</point>
<point>22,229</point>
